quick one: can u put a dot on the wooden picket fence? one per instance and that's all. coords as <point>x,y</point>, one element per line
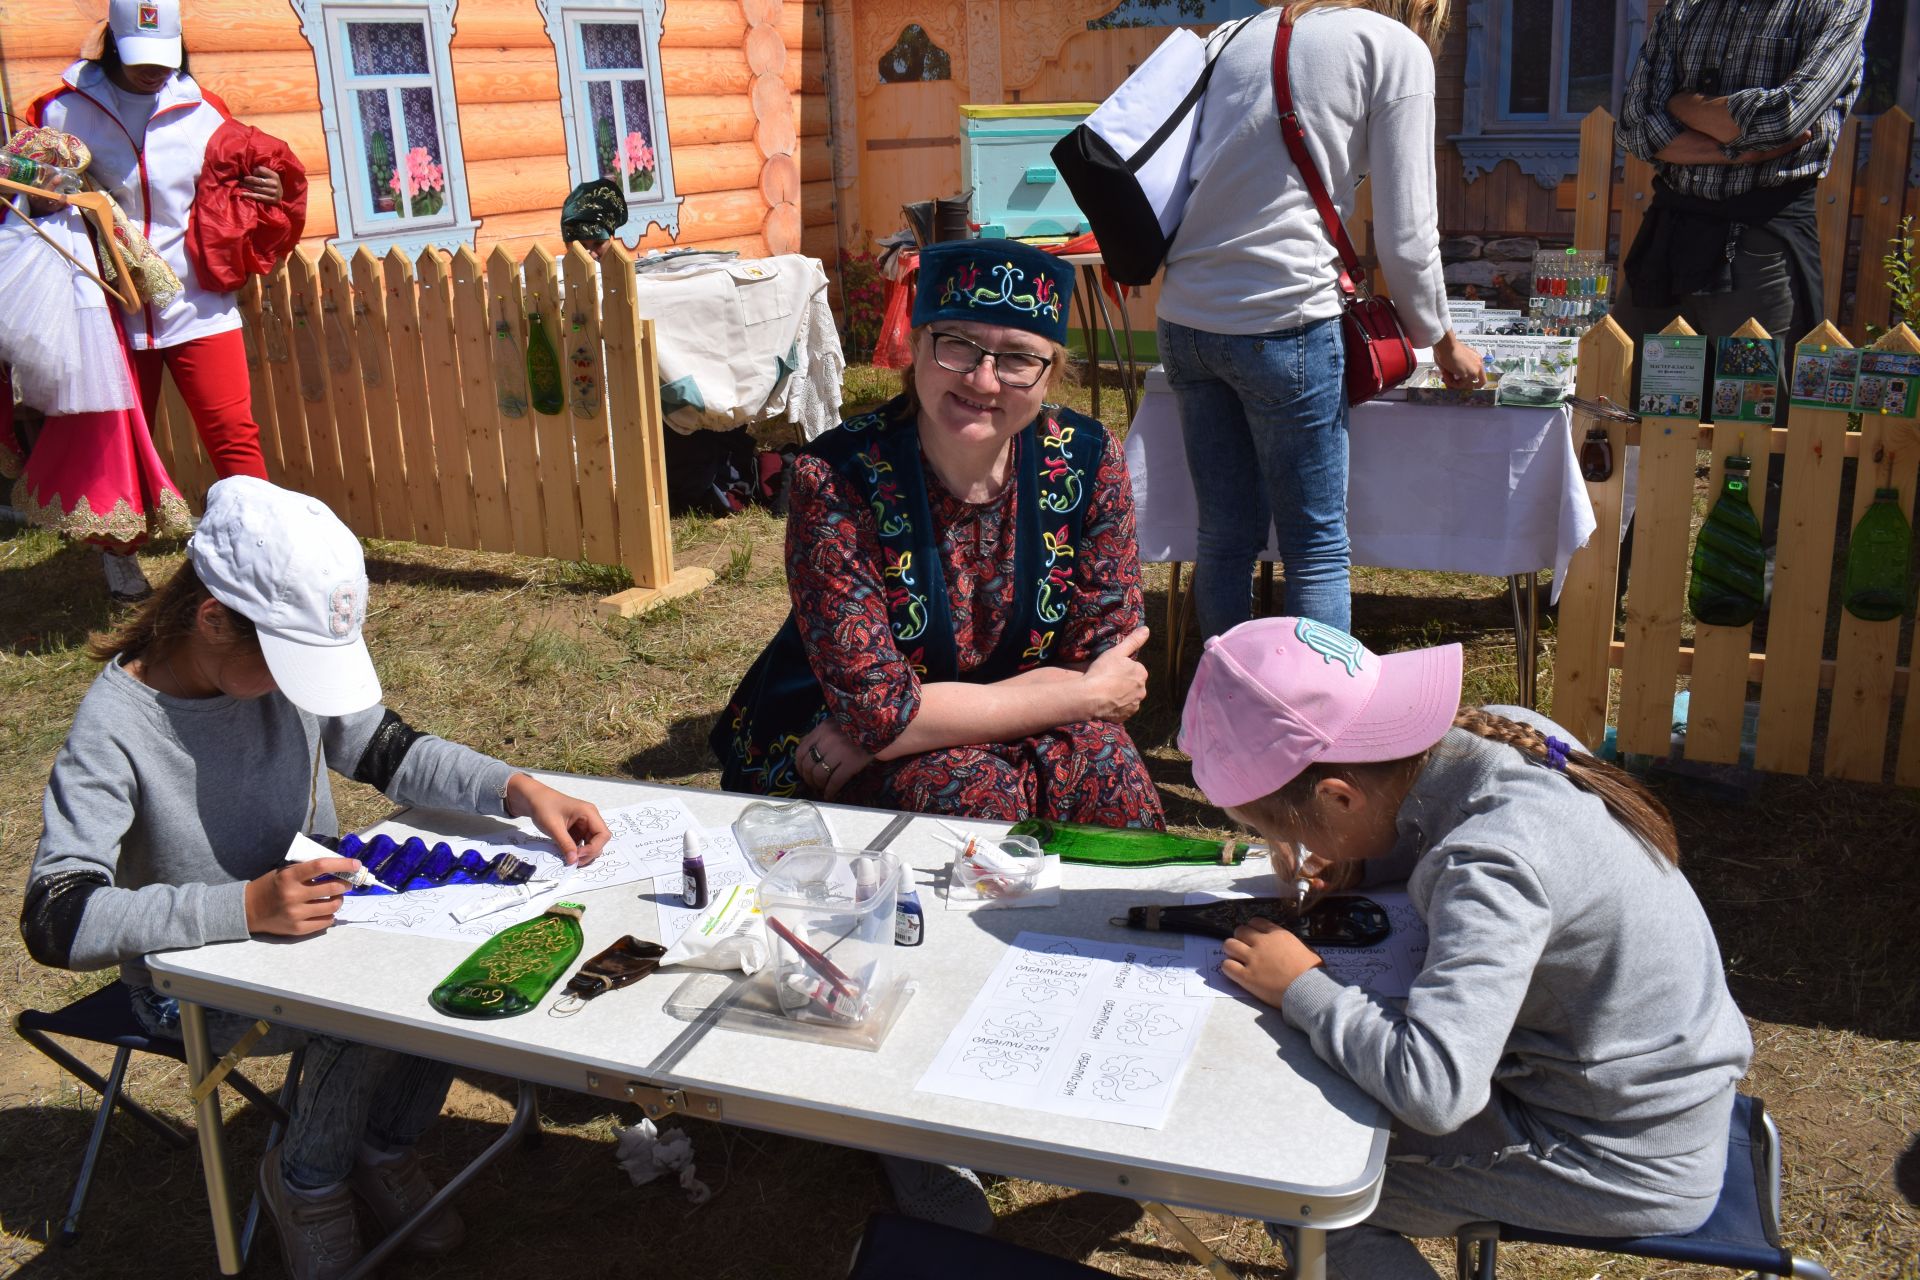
<point>1811,644</point>
<point>396,392</point>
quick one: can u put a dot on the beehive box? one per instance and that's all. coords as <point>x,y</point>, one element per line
<point>1004,157</point>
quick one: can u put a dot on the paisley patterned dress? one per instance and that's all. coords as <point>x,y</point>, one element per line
<point>1047,573</point>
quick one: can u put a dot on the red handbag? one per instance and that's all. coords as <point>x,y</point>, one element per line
<point>1378,352</point>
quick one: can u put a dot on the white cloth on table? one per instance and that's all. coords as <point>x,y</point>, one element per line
<point>1493,491</point>
<point>743,341</point>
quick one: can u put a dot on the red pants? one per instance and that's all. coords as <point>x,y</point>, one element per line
<point>211,373</point>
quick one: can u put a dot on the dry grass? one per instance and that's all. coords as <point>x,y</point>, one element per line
<point>1812,885</point>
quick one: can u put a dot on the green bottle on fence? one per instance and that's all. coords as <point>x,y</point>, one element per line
<point>512,971</point>
<point>543,369</point>
<point>1729,565</point>
<point>1878,560</point>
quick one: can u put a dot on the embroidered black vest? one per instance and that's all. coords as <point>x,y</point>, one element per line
<point>779,701</point>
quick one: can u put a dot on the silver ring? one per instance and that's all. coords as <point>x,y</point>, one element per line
<point>817,757</point>
<point>828,768</point>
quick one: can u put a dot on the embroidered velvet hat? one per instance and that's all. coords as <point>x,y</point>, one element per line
<point>1275,695</point>
<point>1000,282</point>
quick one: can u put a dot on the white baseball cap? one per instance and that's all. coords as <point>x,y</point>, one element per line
<point>286,563</point>
<point>147,32</point>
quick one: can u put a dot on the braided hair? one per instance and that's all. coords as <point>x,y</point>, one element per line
<point>1625,796</point>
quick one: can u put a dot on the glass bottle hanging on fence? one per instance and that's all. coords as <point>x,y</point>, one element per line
<point>1878,560</point>
<point>512,971</point>
<point>543,368</point>
<point>1729,565</point>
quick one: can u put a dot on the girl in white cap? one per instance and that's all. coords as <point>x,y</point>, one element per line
<point>1567,1056</point>
<point>193,761</point>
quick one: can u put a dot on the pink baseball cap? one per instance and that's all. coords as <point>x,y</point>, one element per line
<point>1275,695</point>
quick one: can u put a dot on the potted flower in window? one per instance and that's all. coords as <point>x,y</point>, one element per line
<point>426,183</point>
<point>636,157</point>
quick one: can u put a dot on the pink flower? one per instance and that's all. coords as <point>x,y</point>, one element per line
<point>422,173</point>
<point>635,155</point>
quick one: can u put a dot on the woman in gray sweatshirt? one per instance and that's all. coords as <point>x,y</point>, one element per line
<point>1567,1056</point>
<point>192,763</point>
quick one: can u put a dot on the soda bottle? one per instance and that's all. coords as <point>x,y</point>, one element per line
<point>1729,564</point>
<point>512,971</point>
<point>1878,560</point>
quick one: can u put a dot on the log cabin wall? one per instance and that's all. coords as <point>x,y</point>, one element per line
<point>744,86</point>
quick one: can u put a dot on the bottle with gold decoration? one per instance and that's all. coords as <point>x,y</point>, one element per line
<point>512,971</point>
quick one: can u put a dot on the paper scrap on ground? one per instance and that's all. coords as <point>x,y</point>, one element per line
<point>1102,1030</point>
<point>1386,970</point>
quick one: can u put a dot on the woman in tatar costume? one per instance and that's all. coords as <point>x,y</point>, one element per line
<point>965,581</point>
<point>92,473</point>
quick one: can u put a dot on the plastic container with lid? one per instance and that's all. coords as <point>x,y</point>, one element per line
<point>768,830</point>
<point>1009,867</point>
<point>829,914</point>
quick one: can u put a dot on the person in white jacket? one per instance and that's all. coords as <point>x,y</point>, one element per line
<point>147,122</point>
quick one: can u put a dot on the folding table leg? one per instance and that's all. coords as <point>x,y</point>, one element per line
<point>1192,1243</point>
<point>1093,350</point>
<point>1309,1253</point>
<point>213,1139</point>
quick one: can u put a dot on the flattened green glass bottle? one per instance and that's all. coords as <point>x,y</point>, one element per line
<point>1126,846</point>
<point>1729,564</point>
<point>1878,560</point>
<point>512,971</point>
<point>543,368</point>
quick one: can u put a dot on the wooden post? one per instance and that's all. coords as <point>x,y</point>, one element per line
<point>1593,185</point>
<point>473,328</point>
<point>407,359</point>
<point>340,312</point>
<point>1636,185</point>
<point>639,459</point>
<point>1868,651</point>
<point>311,362</point>
<point>451,472</point>
<point>383,404</point>
<point>587,401</point>
<point>1833,214</point>
<point>1581,667</point>
<point>1717,704</point>
<point>276,338</point>
<point>559,484</point>
<point>508,351</point>
<point>1657,593</point>
<point>259,385</point>
<point>1886,183</point>
<point>1802,576</point>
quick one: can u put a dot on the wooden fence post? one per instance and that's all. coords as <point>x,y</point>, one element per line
<point>393,279</point>
<point>587,399</point>
<point>1886,182</point>
<point>453,471</point>
<point>508,351</point>
<point>1584,636</point>
<point>1802,578</point>
<point>340,312</point>
<point>1657,592</point>
<point>473,328</point>
<point>1717,685</point>
<point>276,340</point>
<point>639,459</point>
<point>310,360</point>
<point>1834,217</point>
<point>1593,185</point>
<point>259,385</point>
<point>559,487</point>
<point>1869,651</point>
<point>1636,186</point>
<point>371,337</point>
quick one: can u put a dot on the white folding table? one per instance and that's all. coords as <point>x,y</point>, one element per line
<point>1261,1128</point>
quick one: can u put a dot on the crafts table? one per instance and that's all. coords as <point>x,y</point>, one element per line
<point>1494,491</point>
<point>1260,1127</point>
<point>1092,300</point>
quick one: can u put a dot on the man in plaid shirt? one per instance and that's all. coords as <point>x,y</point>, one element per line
<point>1738,104</point>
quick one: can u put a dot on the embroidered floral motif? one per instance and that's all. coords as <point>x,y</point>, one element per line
<point>120,527</point>
<point>964,286</point>
<point>909,606</point>
<point>1062,492</point>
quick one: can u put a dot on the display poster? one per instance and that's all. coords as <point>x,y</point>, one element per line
<point>1746,380</point>
<point>1673,369</point>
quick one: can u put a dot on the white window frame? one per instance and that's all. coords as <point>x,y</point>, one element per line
<point>1547,146</point>
<point>660,206</point>
<point>357,222</point>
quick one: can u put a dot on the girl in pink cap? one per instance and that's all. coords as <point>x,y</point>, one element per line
<point>1567,1056</point>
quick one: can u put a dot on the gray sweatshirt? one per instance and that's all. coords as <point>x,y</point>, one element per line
<point>160,809</point>
<point>1566,966</point>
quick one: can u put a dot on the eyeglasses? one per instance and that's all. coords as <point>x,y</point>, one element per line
<point>1014,368</point>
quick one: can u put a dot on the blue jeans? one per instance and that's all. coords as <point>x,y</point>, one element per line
<point>349,1093</point>
<point>1264,417</point>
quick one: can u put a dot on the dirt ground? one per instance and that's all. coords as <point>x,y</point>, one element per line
<point>1813,886</point>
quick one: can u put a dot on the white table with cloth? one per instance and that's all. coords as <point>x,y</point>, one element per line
<point>1493,491</point>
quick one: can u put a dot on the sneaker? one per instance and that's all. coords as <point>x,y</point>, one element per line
<point>319,1236</point>
<point>397,1189</point>
<point>942,1193</point>
<point>125,581</point>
